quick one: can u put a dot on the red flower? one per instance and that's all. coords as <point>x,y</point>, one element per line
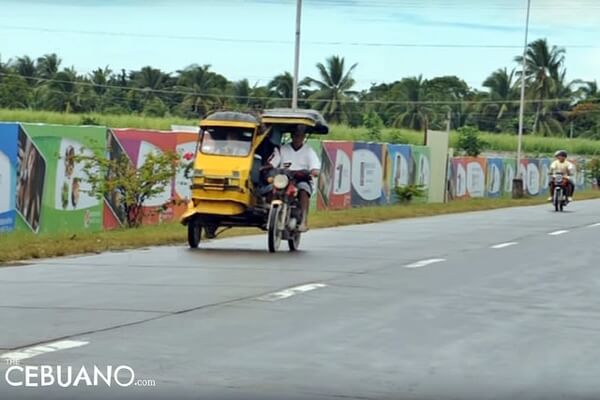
<point>188,156</point>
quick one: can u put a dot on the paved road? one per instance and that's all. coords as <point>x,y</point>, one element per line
<point>489,305</point>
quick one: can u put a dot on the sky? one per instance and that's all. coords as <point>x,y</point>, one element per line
<point>254,39</point>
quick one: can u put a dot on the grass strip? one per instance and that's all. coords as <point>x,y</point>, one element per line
<point>19,246</point>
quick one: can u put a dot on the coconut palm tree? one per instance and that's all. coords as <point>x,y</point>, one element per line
<point>149,78</point>
<point>48,66</point>
<point>62,93</point>
<point>409,94</point>
<point>282,87</point>
<point>334,89</point>
<point>502,90</point>
<point>100,77</point>
<point>542,73</point>
<point>203,87</point>
<point>5,66</point>
<point>25,67</point>
<point>590,90</point>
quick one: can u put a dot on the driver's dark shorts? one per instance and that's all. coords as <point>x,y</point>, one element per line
<point>307,187</point>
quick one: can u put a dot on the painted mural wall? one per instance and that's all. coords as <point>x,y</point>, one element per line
<point>42,189</point>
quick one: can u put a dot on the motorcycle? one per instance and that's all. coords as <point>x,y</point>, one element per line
<point>285,214</point>
<point>559,196</point>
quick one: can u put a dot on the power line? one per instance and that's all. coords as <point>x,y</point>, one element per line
<point>444,4</point>
<point>282,42</point>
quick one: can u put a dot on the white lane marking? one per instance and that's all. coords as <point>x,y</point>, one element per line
<point>29,352</point>
<point>594,225</point>
<point>284,294</point>
<point>556,233</point>
<point>424,263</point>
<point>503,245</point>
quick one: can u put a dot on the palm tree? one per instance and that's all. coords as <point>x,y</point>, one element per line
<point>100,78</point>
<point>502,90</point>
<point>590,90</point>
<point>25,67</point>
<point>48,66</point>
<point>204,87</point>
<point>62,92</point>
<point>282,87</point>
<point>151,81</point>
<point>410,111</point>
<point>333,88</point>
<point>149,78</point>
<point>542,73</point>
<point>248,96</point>
<point>5,66</point>
<point>242,91</point>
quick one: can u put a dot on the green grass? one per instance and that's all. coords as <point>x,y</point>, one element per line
<point>112,121</point>
<point>532,145</point>
<point>24,246</point>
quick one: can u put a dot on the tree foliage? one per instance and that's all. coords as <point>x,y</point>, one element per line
<point>469,141</point>
<point>133,186</point>
<point>555,105</point>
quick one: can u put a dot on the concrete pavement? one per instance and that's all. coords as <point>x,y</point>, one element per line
<point>489,309</point>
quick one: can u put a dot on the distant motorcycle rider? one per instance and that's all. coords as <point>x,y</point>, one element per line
<point>563,166</point>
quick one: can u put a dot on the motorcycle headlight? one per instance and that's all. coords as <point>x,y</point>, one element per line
<point>280,181</point>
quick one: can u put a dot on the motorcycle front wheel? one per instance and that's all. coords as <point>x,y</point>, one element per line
<point>275,233</point>
<point>294,241</point>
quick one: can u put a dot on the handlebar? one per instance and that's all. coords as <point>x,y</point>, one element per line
<point>298,175</point>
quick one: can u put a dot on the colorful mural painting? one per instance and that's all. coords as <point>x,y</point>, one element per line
<point>494,180</point>
<point>42,189</point>
<point>138,144</point>
<point>52,194</point>
<point>468,177</point>
<point>400,157</point>
<point>8,175</point>
<point>334,186</point>
<point>367,174</point>
<point>421,169</point>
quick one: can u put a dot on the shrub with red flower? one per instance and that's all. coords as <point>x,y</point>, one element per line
<point>189,165</point>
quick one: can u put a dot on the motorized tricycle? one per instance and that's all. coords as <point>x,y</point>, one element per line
<point>232,184</point>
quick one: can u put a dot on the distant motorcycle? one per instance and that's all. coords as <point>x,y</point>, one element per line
<point>559,196</point>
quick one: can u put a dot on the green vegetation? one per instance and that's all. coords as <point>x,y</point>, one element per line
<point>130,186</point>
<point>494,142</point>
<point>24,246</point>
<point>555,107</point>
<point>470,142</point>
<point>409,192</point>
<point>112,121</point>
<point>593,170</point>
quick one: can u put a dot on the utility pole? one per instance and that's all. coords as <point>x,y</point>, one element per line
<point>297,54</point>
<point>518,192</point>
<point>571,134</point>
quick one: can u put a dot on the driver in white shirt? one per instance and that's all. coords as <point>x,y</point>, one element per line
<point>299,156</point>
